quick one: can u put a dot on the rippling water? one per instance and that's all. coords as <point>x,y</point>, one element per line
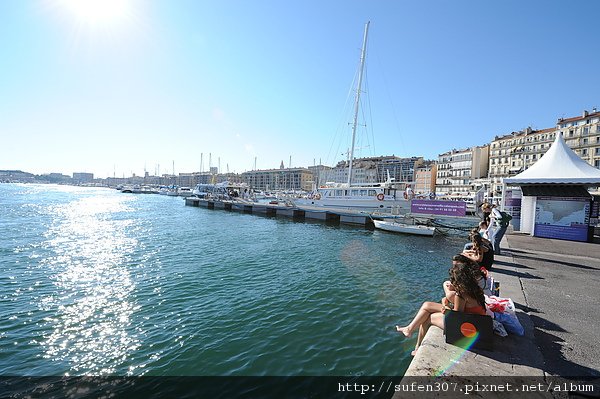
<point>97,282</point>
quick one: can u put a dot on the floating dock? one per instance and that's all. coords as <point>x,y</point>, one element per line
<point>330,215</point>
<point>445,224</point>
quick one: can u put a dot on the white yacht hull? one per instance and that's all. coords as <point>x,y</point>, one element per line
<point>362,204</point>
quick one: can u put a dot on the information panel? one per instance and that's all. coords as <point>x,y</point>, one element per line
<point>512,205</point>
<point>564,218</point>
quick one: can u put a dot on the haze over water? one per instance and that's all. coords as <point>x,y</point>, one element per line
<point>97,282</point>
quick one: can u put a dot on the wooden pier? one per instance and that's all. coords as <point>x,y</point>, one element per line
<point>330,215</point>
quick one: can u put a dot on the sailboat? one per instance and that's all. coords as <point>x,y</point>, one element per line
<point>383,197</point>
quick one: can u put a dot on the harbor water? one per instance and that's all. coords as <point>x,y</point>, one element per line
<point>98,282</point>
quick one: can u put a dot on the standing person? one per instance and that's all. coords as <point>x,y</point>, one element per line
<point>486,208</point>
<point>409,194</point>
<point>500,228</point>
<point>463,291</point>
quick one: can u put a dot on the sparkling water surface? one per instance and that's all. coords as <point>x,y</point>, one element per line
<point>98,282</point>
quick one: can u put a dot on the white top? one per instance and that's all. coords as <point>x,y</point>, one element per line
<point>495,217</point>
<point>559,165</point>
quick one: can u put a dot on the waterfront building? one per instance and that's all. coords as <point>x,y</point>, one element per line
<point>402,170</point>
<point>425,177</point>
<point>320,173</point>
<point>582,134</point>
<point>457,169</point>
<point>57,178</point>
<point>80,177</point>
<point>279,179</point>
<point>364,171</point>
<point>187,179</point>
<point>514,153</point>
<point>376,169</point>
<point>192,179</point>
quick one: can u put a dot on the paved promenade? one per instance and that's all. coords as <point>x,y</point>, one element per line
<point>554,285</point>
<point>560,281</point>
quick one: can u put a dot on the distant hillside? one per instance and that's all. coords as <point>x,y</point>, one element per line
<point>16,173</point>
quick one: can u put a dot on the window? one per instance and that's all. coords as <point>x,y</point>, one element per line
<point>597,163</point>
<point>571,132</point>
<point>597,151</point>
<point>584,151</point>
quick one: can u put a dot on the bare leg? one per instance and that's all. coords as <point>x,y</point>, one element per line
<point>422,316</point>
<point>436,319</point>
<point>423,328</point>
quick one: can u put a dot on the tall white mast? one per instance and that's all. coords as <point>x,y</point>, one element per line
<point>357,101</point>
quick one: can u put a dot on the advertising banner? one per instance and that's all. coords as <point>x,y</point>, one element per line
<point>512,205</point>
<point>436,207</point>
<point>564,218</point>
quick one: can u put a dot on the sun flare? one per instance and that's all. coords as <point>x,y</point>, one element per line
<point>98,13</point>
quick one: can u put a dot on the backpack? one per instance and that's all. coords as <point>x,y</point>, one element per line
<point>505,219</point>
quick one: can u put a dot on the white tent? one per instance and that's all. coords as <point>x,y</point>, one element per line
<point>560,172</point>
<point>559,165</point>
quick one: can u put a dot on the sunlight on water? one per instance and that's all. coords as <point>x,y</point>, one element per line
<point>99,282</point>
<point>91,305</point>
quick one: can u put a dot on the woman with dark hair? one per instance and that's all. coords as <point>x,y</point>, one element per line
<point>462,291</point>
<point>480,251</point>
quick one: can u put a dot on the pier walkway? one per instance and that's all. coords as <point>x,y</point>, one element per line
<point>334,215</point>
<point>554,286</point>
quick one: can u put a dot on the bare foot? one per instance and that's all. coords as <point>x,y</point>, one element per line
<point>413,353</point>
<point>404,330</point>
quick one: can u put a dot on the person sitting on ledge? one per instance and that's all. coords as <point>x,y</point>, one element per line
<point>480,251</point>
<point>462,292</point>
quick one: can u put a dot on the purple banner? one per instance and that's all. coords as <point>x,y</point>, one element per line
<point>436,207</point>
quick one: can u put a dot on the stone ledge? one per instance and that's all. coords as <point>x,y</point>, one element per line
<point>512,355</point>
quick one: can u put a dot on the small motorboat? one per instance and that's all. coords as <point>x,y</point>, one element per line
<point>406,228</point>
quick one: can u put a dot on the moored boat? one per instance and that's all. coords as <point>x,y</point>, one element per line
<point>184,192</point>
<point>406,228</point>
<point>381,196</point>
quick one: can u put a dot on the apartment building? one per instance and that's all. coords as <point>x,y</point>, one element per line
<point>425,178</point>
<point>81,177</point>
<point>582,134</point>
<point>279,179</point>
<point>364,171</point>
<point>457,169</point>
<point>515,152</point>
<point>377,169</point>
<point>320,174</point>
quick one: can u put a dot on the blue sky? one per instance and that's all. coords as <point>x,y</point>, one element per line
<point>165,81</point>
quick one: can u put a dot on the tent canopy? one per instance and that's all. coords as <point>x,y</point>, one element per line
<point>559,165</point>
